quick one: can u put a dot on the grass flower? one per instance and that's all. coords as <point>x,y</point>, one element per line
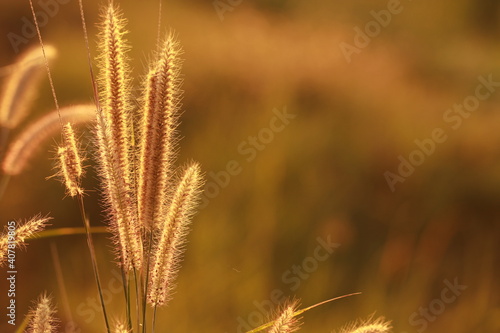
<point>379,325</point>
<point>286,322</point>
<point>16,235</point>
<point>24,147</point>
<point>42,317</point>
<point>173,230</point>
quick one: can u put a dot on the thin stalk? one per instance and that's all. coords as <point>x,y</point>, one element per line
<point>59,232</point>
<point>144,305</point>
<point>90,244</point>
<point>137,300</point>
<point>154,319</point>
<point>126,292</point>
<point>143,297</point>
<point>51,82</point>
<point>89,58</point>
<point>60,280</point>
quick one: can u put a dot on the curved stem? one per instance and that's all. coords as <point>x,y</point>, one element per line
<point>298,312</point>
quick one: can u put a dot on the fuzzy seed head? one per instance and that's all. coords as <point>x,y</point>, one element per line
<point>169,248</point>
<point>286,322</point>
<point>158,140</point>
<point>115,143</point>
<point>42,317</point>
<point>15,237</point>
<point>70,162</point>
<point>115,88</point>
<point>379,325</point>
<point>24,147</point>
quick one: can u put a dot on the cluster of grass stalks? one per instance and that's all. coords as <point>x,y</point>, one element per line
<point>148,201</point>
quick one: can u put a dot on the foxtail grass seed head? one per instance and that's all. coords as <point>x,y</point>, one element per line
<point>20,86</point>
<point>121,328</point>
<point>158,140</point>
<point>287,322</point>
<point>113,201</point>
<point>42,317</point>
<point>70,162</point>
<point>169,248</point>
<point>26,144</point>
<point>379,325</point>
<point>115,140</point>
<point>115,91</point>
<point>15,235</point>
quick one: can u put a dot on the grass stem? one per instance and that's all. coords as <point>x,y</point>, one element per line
<point>144,300</point>
<point>90,244</point>
<point>137,299</point>
<point>154,319</point>
<point>126,292</point>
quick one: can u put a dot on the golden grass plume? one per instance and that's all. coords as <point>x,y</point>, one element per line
<point>115,140</point>
<point>287,322</point>
<point>379,325</point>
<point>70,161</point>
<point>16,234</point>
<point>19,88</point>
<point>158,141</point>
<point>169,247</point>
<point>42,317</point>
<point>22,149</point>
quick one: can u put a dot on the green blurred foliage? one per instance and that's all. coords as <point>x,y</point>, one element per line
<point>323,175</point>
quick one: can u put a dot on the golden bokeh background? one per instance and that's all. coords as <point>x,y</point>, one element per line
<point>321,177</point>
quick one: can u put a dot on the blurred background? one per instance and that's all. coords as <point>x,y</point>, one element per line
<point>354,94</point>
